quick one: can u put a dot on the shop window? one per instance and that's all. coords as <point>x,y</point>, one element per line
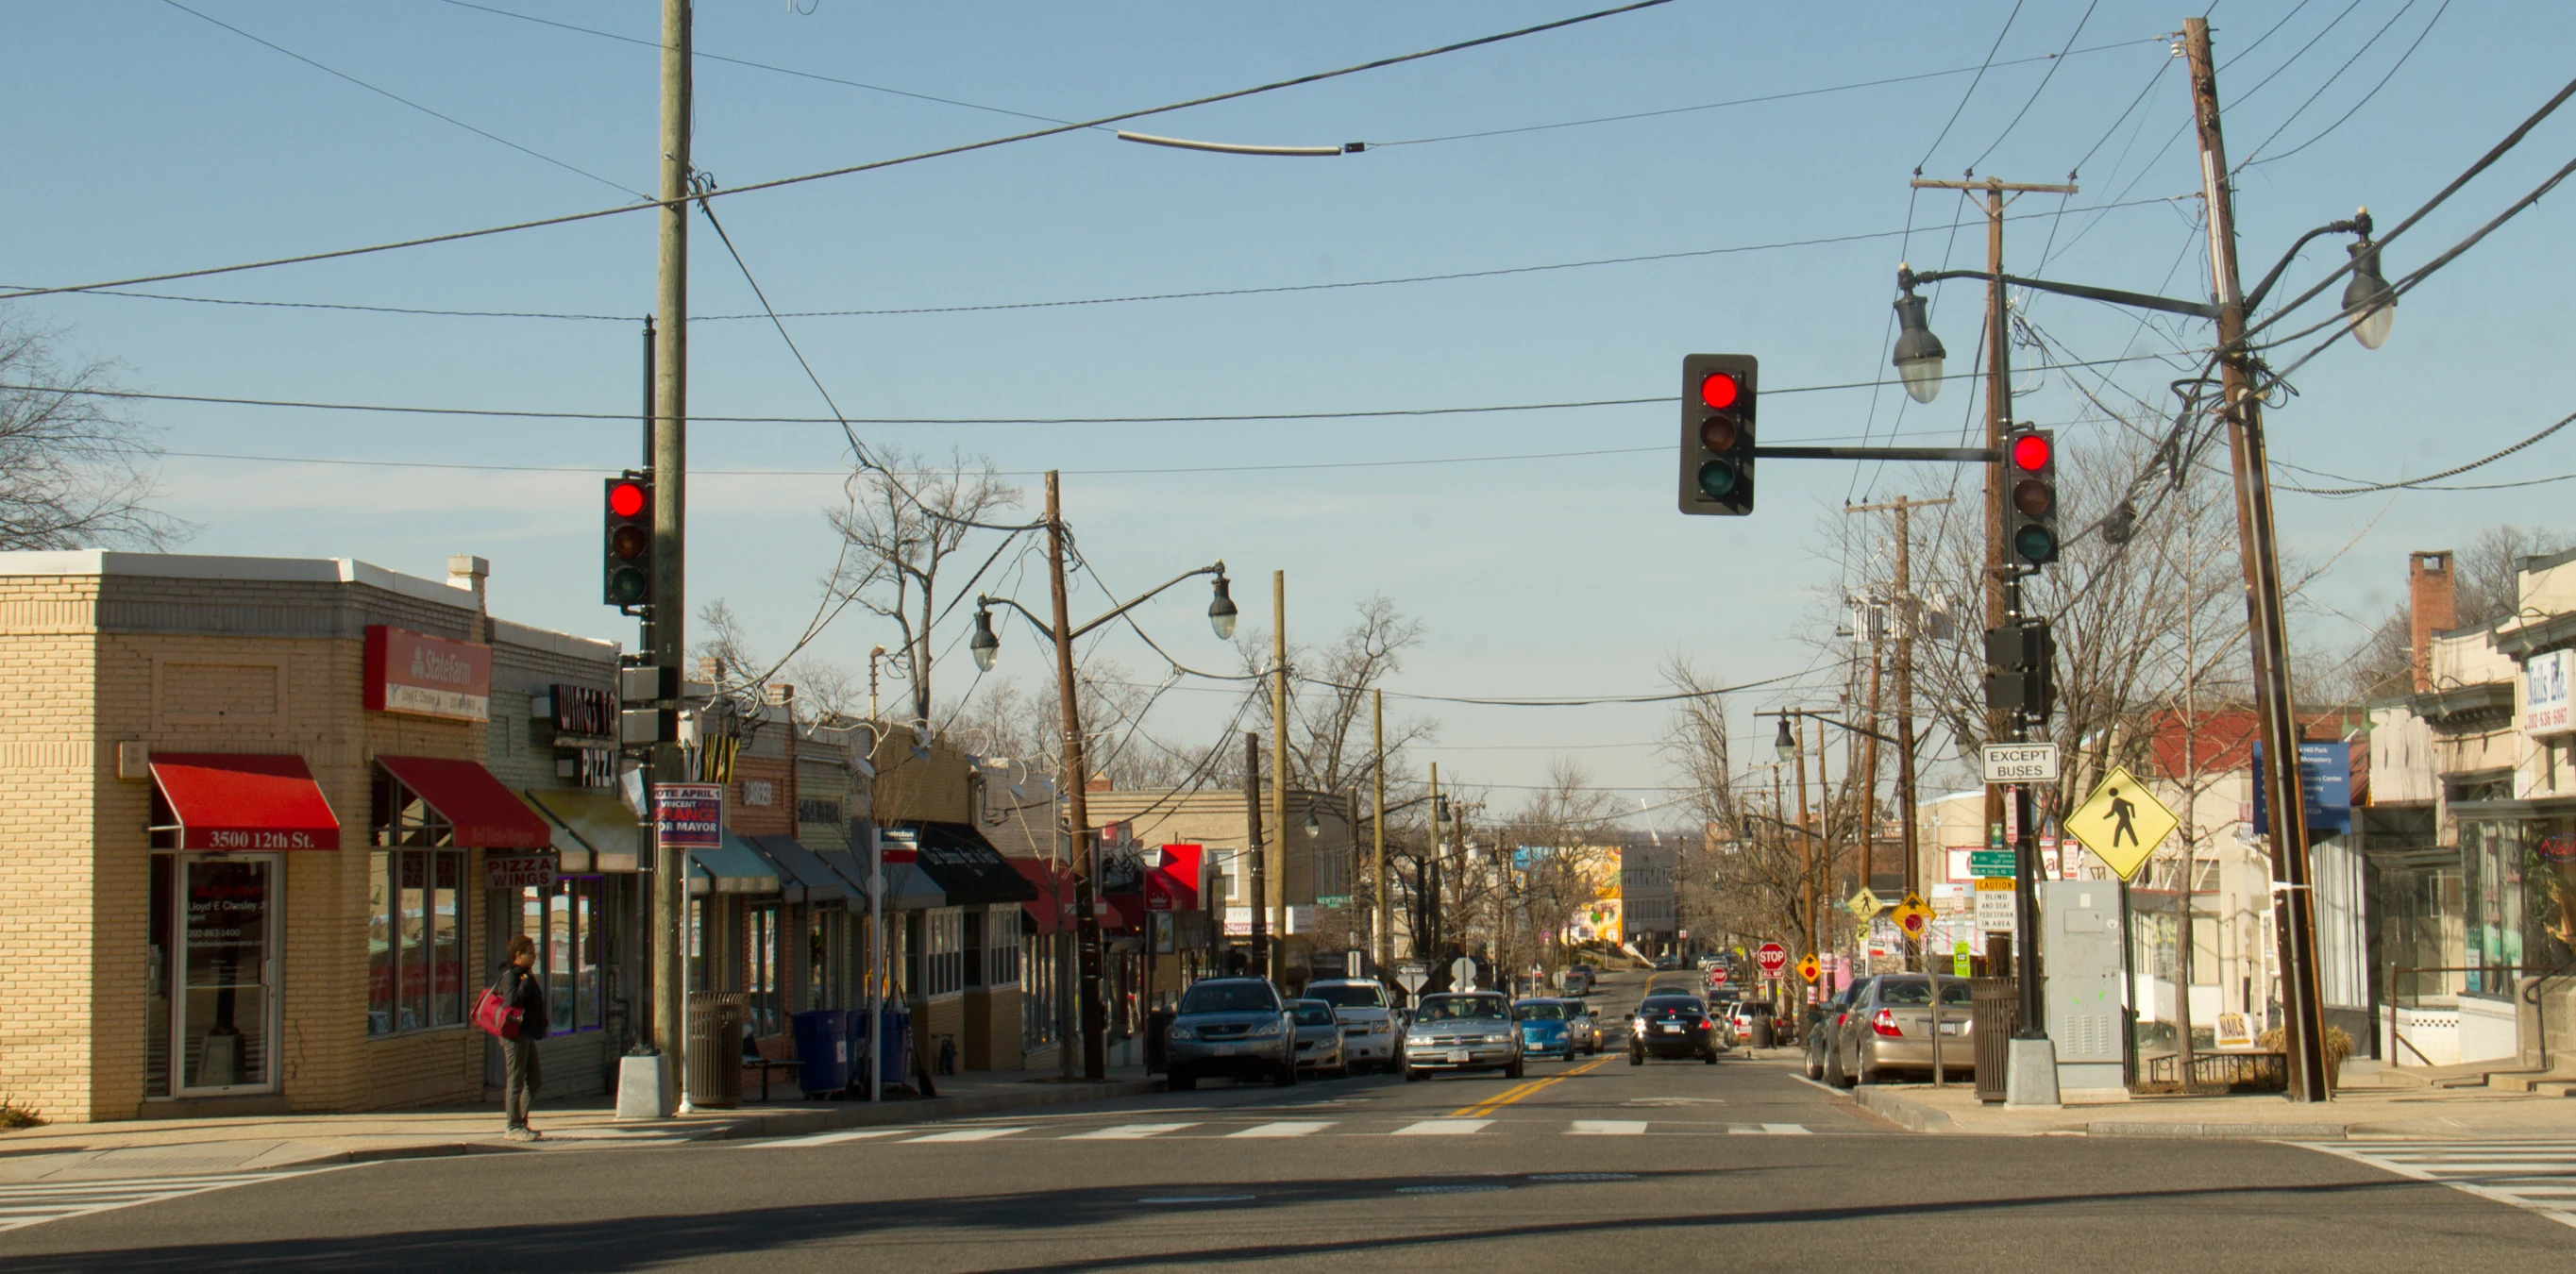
<point>1037,995</point>
<point>697,944</point>
<point>943,955</point>
<point>760,967</point>
<point>971,947</point>
<point>827,936</point>
<point>565,920</point>
<point>1002,947</point>
<point>416,976</point>
<point>908,947</point>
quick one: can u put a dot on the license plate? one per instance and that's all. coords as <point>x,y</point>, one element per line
<point>1458,1056</point>
<point>1954,1028</point>
<point>1672,1029</point>
<point>1225,1050</point>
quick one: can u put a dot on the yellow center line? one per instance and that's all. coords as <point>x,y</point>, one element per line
<point>1510,1095</point>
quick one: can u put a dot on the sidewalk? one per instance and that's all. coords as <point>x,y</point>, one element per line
<point>2360,1109</point>
<point>190,1147</point>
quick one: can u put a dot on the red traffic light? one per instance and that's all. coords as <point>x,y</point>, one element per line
<point>626,499</point>
<point>1719,391</point>
<point>2030,453</point>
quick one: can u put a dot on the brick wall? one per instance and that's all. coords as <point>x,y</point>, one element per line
<point>54,927</point>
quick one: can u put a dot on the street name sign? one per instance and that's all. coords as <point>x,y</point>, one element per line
<point>2122,823</point>
<point>2019,762</point>
<point>1772,957</point>
<point>1990,862</point>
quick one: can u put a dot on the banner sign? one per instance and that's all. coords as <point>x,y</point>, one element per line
<point>689,815</point>
<point>2544,694</point>
<point>425,676</point>
<point>518,871</point>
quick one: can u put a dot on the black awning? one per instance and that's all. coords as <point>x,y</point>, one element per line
<point>963,864</point>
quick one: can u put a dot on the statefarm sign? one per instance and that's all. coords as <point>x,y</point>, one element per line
<point>425,676</point>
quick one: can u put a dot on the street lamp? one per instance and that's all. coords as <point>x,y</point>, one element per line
<point>2368,301</point>
<point>1918,351</point>
<point>1221,611</point>
<point>1314,826</point>
<point>1785,746</point>
<point>984,644</point>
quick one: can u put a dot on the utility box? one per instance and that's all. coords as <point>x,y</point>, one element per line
<point>2084,1003</point>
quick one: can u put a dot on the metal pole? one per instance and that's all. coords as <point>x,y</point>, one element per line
<point>876,957</point>
<point>1806,848</point>
<point>670,491</point>
<point>2294,904</point>
<point>1279,766</point>
<point>1077,773</point>
<point>1259,854</point>
<point>1377,825</point>
<point>1438,847</point>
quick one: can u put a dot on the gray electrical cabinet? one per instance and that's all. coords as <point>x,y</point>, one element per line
<point>2084,1000</point>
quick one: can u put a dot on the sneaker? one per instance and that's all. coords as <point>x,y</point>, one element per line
<point>519,1134</point>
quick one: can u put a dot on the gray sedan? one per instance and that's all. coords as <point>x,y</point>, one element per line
<point>1237,1027</point>
<point>1463,1031</point>
<point>1319,1037</point>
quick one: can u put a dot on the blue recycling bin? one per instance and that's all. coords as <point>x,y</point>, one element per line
<point>894,1066</point>
<point>823,1049</point>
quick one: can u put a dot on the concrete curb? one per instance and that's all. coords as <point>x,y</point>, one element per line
<point>2232,1132</point>
<point>1903,1113</point>
<point>1919,1118</point>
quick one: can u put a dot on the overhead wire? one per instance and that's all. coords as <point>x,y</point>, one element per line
<point>850,169</point>
<point>2255,154</point>
<point>2399,65</point>
<point>1953,122</point>
<point>2033,100</point>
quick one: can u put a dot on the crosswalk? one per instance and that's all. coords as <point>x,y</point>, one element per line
<point>36,1202</point>
<point>1287,1128</point>
<point>2538,1176</point>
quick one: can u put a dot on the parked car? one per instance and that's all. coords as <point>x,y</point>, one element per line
<point>1885,1028</point>
<point>1672,1026</point>
<point>1547,1028</point>
<point>1741,1019</point>
<point>1370,1021</point>
<point>1584,1025</point>
<point>1235,1027</point>
<point>1463,1031</point>
<point>1824,1021</point>
<point>1578,979</point>
<point>1319,1037</point>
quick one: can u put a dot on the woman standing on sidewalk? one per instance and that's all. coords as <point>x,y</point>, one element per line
<point>520,989</point>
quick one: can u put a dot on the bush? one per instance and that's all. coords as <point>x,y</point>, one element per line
<point>13,1115</point>
<point>2338,1048</point>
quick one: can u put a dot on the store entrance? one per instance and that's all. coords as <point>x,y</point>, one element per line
<point>223,1015</point>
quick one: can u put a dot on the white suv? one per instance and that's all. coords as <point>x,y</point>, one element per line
<point>1369,1029</point>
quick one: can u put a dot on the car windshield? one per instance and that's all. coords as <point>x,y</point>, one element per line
<point>1903,993</point>
<point>1542,1011</point>
<point>1442,1008</point>
<point>1310,1013</point>
<point>1229,997</point>
<point>1349,996</point>
<point>1670,1004</point>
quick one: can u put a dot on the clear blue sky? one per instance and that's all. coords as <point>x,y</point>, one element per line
<point>148,139</point>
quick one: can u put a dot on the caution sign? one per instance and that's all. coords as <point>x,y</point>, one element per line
<point>1864,904</point>
<point>1912,916</point>
<point>1808,968</point>
<point>2122,823</point>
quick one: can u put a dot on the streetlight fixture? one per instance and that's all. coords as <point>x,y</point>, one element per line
<point>1221,611</point>
<point>986,646</point>
<point>1314,826</point>
<point>1785,746</point>
<point>1918,351</point>
<point>2368,301</point>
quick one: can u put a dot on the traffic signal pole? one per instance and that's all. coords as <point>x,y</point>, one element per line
<point>670,484</point>
<point>2293,902</point>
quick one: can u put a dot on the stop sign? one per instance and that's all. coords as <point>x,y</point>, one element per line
<point>1717,977</point>
<point>1772,957</point>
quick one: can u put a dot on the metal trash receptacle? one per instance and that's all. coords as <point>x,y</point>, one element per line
<point>823,1056</point>
<point>1994,1015</point>
<point>715,1048</point>
<point>1761,1032</point>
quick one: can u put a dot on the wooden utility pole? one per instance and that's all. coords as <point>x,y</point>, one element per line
<point>1279,927</point>
<point>670,491</point>
<point>1906,615</point>
<point>1431,911</point>
<point>1259,856</point>
<point>1088,959</point>
<point>1377,829</point>
<point>2293,902</point>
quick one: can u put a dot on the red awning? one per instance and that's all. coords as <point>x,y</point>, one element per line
<point>1174,885</point>
<point>243,802</point>
<point>1122,913</point>
<point>485,814</point>
<point>1052,908</point>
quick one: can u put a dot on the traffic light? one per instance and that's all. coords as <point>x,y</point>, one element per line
<point>2021,676</point>
<point>1717,433</point>
<point>2030,513</point>
<point>626,571</point>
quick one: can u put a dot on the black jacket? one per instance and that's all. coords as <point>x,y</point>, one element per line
<point>523,990</point>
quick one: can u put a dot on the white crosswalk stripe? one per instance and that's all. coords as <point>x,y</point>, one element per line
<point>1445,1128</point>
<point>1607,1128</point>
<point>34,1203</point>
<point>1286,1128</point>
<point>1128,1132</point>
<point>1770,1130</point>
<point>2537,1176</point>
<point>966,1134</point>
<point>831,1138</point>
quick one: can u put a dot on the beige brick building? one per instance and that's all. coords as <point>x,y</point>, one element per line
<point>228,884</point>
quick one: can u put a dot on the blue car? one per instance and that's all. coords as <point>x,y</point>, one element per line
<point>1546,1027</point>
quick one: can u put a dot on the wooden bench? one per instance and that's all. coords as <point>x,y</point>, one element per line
<point>777,1055</point>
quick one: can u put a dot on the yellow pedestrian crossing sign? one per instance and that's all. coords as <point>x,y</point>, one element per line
<point>1864,904</point>
<point>2122,823</point>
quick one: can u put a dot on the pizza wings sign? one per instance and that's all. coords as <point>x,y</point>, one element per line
<point>425,676</point>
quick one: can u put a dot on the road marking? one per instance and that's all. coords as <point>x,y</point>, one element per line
<point>1285,1128</point>
<point>1510,1095</point>
<point>1451,1127</point>
<point>2536,1176</point>
<point>1127,1132</point>
<point>966,1134</point>
<point>830,1138</point>
<point>1608,1128</point>
<point>1197,1198</point>
<point>37,1202</point>
<point>1463,1187</point>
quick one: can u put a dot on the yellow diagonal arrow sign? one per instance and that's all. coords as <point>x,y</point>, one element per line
<point>2122,823</point>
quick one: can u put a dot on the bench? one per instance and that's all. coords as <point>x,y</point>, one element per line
<point>777,1054</point>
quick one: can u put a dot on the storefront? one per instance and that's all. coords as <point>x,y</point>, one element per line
<point>970,945</point>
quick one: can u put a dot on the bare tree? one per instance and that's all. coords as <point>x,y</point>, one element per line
<point>75,471</point>
<point>899,525</point>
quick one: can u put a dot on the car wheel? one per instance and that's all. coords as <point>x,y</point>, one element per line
<point>1815,1068</point>
<point>1833,1067</point>
<point>1412,1075</point>
<point>1181,1080</point>
<point>1709,1057</point>
<point>1846,1079</point>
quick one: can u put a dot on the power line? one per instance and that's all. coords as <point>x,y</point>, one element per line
<point>2348,63</point>
<point>1452,276</point>
<point>2089,7</point>
<point>386,93</point>
<point>2399,65</point>
<point>2452,472</point>
<point>849,169</point>
<point>1972,89</point>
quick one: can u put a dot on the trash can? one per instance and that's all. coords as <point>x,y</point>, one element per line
<point>715,1048</point>
<point>823,1054</point>
<point>1761,1032</point>
<point>894,1065</point>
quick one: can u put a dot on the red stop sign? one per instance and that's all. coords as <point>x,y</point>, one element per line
<point>1772,957</point>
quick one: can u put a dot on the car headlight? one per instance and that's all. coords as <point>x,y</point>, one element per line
<point>1381,1028</point>
<point>1499,1037</point>
<point>1181,1033</point>
<point>1261,1031</point>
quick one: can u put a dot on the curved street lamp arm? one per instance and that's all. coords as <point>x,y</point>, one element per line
<point>983,600</point>
<point>1906,279</point>
<point>1218,569</point>
<point>2360,224</point>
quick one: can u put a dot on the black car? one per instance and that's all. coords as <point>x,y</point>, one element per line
<point>1676,1026</point>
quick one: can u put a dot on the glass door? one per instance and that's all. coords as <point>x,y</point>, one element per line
<point>225,1016</point>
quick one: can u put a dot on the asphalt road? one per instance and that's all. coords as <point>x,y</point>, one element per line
<point>1672,1165</point>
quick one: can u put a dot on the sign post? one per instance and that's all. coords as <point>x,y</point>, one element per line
<point>686,816</point>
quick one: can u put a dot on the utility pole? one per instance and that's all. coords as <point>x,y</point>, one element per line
<point>1806,847</point>
<point>2294,904</point>
<point>670,493</point>
<point>1439,846</point>
<point>1279,764</point>
<point>1905,615</point>
<point>1377,828</point>
<point>1260,856</point>
<point>1077,776</point>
